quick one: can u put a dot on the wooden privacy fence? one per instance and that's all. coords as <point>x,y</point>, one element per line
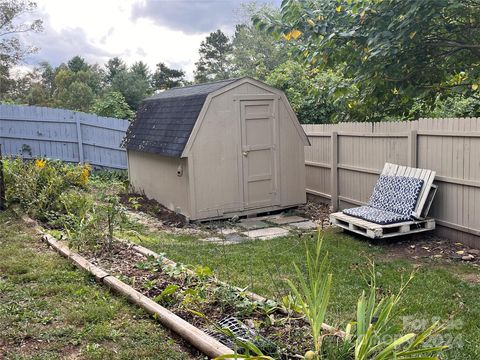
<point>345,160</point>
<point>32,131</point>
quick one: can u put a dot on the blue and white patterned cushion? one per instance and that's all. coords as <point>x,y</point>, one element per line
<point>397,194</point>
<point>375,215</point>
<point>392,195</point>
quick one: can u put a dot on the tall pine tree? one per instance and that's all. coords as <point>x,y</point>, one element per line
<point>214,63</point>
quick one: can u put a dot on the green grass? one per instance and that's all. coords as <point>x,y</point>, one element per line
<point>51,310</point>
<point>437,292</point>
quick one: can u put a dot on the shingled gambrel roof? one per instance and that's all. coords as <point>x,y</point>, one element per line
<point>164,122</point>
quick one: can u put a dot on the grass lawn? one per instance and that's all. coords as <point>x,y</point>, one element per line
<point>51,310</point>
<point>437,292</point>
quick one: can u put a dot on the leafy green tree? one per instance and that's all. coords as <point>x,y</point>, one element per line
<point>254,52</point>
<point>132,86</point>
<point>113,67</point>
<point>394,51</point>
<point>12,48</point>
<point>112,104</point>
<point>308,91</point>
<point>214,63</point>
<point>75,90</point>
<point>166,78</point>
<point>77,64</point>
<point>76,96</point>
<point>47,76</point>
<point>141,69</point>
<point>38,95</point>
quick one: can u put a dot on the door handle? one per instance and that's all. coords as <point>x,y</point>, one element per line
<point>245,153</point>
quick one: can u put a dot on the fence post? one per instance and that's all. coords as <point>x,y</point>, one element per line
<point>412,148</point>
<point>2,182</point>
<point>79,138</point>
<point>334,170</point>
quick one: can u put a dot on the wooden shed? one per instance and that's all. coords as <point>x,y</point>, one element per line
<point>216,150</point>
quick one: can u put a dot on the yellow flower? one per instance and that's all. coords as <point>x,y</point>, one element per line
<point>85,174</point>
<point>292,34</point>
<point>296,33</point>
<point>40,163</point>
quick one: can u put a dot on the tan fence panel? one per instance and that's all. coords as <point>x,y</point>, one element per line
<point>345,160</point>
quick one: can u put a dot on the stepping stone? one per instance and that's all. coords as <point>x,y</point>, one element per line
<point>214,240</point>
<point>228,240</point>
<point>253,224</point>
<point>288,220</point>
<point>268,233</point>
<point>235,238</point>
<point>227,231</point>
<point>305,225</point>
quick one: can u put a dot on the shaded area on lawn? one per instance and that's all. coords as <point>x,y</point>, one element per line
<point>51,310</point>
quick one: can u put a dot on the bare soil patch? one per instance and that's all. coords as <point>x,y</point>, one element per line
<point>152,207</point>
<point>428,247</point>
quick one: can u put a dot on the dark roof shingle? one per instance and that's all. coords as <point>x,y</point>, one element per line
<point>164,122</point>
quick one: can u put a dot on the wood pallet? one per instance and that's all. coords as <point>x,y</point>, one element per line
<point>427,192</point>
<point>377,231</point>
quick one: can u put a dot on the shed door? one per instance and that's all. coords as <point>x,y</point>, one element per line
<point>259,153</point>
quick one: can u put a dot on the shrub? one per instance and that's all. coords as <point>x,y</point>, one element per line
<point>37,185</point>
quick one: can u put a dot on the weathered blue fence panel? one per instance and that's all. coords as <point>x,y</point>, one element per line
<point>32,131</point>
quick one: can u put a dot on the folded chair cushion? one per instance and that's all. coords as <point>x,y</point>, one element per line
<point>393,200</point>
<point>375,215</point>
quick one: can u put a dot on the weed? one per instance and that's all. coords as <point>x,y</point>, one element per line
<point>313,292</point>
<point>167,296</point>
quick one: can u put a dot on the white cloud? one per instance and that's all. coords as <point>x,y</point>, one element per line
<point>100,29</point>
<point>153,31</point>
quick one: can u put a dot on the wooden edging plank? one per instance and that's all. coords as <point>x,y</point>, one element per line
<point>205,343</point>
<point>199,339</point>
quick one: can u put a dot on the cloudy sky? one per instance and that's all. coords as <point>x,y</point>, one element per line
<point>153,31</point>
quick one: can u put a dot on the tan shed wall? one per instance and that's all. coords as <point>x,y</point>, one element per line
<point>216,157</point>
<point>345,160</point>
<point>292,159</point>
<point>156,177</point>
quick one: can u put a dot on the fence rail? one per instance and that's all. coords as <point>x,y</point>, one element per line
<point>345,160</point>
<point>32,131</point>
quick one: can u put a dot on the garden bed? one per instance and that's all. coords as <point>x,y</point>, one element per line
<point>189,295</point>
